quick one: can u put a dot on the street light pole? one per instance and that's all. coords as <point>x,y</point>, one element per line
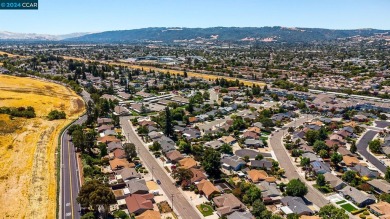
<point>172,200</point>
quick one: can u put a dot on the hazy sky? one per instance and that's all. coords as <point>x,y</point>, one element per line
<point>66,16</point>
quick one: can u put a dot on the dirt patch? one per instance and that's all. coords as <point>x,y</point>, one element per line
<point>28,146</point>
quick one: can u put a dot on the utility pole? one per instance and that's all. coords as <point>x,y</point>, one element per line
<point>172,200</point>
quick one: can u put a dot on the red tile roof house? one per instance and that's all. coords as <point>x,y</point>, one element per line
<point>139,203</point>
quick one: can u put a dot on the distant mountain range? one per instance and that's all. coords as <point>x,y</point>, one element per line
<point>170,35</point>
<point>5,35</point>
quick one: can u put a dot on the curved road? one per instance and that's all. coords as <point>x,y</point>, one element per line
<point>180,203</point>
<point>69,176</point>
<point>362,145</point>
<point>285,162</point>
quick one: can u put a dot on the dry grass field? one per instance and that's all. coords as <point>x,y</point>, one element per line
<point>11,55</point>
<point>190,74</point>
<point>28,146</point>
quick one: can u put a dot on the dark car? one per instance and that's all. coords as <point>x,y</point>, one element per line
<point>158,182</point>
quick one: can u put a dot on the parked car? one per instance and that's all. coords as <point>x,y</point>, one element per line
<point>158,182</point>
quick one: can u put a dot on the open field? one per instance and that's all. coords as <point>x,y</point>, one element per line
<point>28,146</point>
<point>11,55</point>
<point>190,74</point>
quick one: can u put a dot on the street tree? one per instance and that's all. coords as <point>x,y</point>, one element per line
<point>332,212</point>
<point>296,188</point>
<point>130,151</point>
<point>375,146</point>
<point>211,162</point>
<point>95,194</point>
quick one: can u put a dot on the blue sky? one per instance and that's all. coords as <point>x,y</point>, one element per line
<point>67,16</point>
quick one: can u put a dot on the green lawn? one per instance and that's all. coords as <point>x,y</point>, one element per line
<point>341,202</point>
<point>348,207</point>
<point>206,210</point>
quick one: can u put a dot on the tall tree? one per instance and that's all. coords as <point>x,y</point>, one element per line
<point>94,194</point>
<point>375,146</point>
<point>353,148</point>
<point>321,180</point>
<point>168,123</point>
<point>211,162</point>
<point>331,212</point>
<point>130,151</point>
<point>181,174</point>
<point>296,188</point>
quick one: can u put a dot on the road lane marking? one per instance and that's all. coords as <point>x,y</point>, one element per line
<point>70,183</point>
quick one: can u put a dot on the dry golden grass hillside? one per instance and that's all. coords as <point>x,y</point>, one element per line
<point>28,146</point>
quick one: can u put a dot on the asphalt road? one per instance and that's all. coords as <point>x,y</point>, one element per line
<point>285,162</point>
<point>180,203</point>
<point>70,182</point>
<point>362,145</point>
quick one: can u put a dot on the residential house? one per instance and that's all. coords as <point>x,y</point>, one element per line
<point>113,146</point>
<point>137,186</point>
<point>334,182</point>
<point>187,163</point>
<point>117,164</point>
<point>228,140</point>
<point>250,135</point>
<point>197,175</point>
<point>139,203</point>
<point>380,186</point>
<point>295,205</point>
<point>350,160</point>
<point>361,199</point>
<point>207,188</point>
<point>320,167</point>
<point>261,164</point>
<point>253,143</point>
<point>128,174</point>
<point>232,163</point>
<point>174,156</point>
<point>216,144</point>
<point>269,192</point>
<point>227,204</point>
<point>365,171</point>
<point>256,176</point>
<point>149,214</point>
<point>121,111</point>
<point>380,209</point>
<point>240,215</point>
<point>104,121</point>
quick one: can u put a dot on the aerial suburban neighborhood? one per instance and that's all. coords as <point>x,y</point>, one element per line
<point>223,122</point>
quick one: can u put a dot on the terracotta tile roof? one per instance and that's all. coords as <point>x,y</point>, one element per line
<point>254,129</point>
<point>257,175</point>
<point>207,187</point>
<point>350,160</point>
<point>119,153</point>
<point>382,208</point>
<point>120,163</point>
<point>149,214</point>
<point>108,138</point>
<point>174,155</point>
<point>137,202</point>
<point>197,175</point>
<point>187,163</point>
<point>228,139</point>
